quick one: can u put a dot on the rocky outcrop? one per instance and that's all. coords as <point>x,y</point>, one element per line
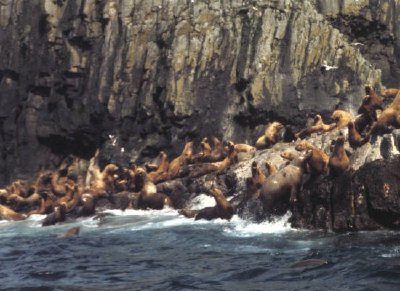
<point>134,77</point>
<point>363,198</point>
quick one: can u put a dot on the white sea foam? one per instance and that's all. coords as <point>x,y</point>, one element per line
<point>201,201</point>
<point>394,253</point>
<point>137,220</point>
<point>244,228</point>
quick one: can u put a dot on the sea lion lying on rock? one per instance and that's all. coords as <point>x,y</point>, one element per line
<point>342,118</point>
<point>318,126</point>
<point>270,136</point>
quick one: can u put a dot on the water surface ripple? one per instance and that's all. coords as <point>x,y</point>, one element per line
<point>150,250</point>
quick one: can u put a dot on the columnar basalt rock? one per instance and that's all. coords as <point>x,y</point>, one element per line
<point>153,73</point>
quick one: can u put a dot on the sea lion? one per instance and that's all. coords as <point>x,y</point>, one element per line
<point>374,102</point>
<point>387,120</point>
<point>21,204</point>
<point>282,187</point>
<point>74,231</point>
<point>318,161</point>
<point>9,214</point>
<point>57,183</point>
<point>258,177</point>
<point>318,126</point>
<point>244,151</point>
<point>339,162</point>
<point>161,173</point>
<point>58,215</point>
<point>244,148</point>
<point>363,121</point>
<point>87,205</point>
<point>149,197</point>
<point>197,170</point>
<point>223,208</point>
<point>355,139</point>
<point>270,136</point>
<point>289,155</point>
<point>204,153</point>
<point>178,162</point>
<point>342,118</point>
<point>40,210</point>
<point>104,181</point>
<point>390,92</point>
<point>272,169</point>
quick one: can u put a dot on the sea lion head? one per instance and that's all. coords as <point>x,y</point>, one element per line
<point>317,118</point>
<point>336,115</point>
<point>110,169</point>
<point>302,146</point>
<point>365,105</point>
<point>229,146</point>
<point>162,155</point>
<point>277,125</point>
<point>188,149</point>
<point>368,90</point>
<point>287,155</point>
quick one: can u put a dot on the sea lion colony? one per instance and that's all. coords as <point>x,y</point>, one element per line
<point>69,192</point>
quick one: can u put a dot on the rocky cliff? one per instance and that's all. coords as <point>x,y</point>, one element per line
<point>143,75</point>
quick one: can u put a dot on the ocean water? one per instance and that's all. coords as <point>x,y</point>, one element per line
<point>162,250</point>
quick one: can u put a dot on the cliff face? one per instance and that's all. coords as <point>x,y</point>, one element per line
<point>155,73</point>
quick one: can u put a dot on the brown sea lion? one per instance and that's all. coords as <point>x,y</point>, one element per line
<point>272,169</point>
<point>58,215</point>
<point>355,139</point>
<point>258,177</point>
<point>149,197</point>
<point>197,170</point>
<point>74,231</point>
<point>339,162</point>
<point>217,152</point>
<point>223,208</point>
<point>104,181</point>
<point>204,153</point>
<point>342,118</point>
<point>244,148</point>
<point>318,126</point>
<point>389,118</point>
<point>87,205</point>
<point>9,214</point>
<point>19,187</point>
<point>318,161</point>
<point>390,92</point>
<point>363,121</point>
<point>57,183</point>
<point>178,162</point>
<point>375,102</point>
<point>161,173</point>
<point>289,155</point>
<point>282,187</point>
<point>270,136</point>
<point>40,210</point>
